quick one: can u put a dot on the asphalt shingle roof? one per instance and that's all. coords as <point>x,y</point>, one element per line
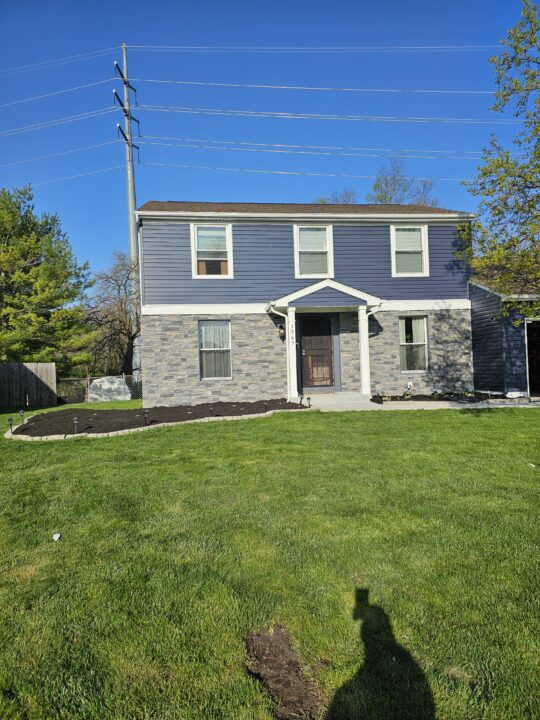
<point>291,208</point>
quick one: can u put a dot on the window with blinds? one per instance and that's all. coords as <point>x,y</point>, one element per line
<point>413,344</point>
<point>215,348</point>
<point>313,251</point>
<point>409,251</point>
<point>212,251</point>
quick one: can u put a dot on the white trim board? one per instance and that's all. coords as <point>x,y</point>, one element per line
<point>263,308</point>
<point>206,309</point>
<point>328,217</point>
<point>452,304</point>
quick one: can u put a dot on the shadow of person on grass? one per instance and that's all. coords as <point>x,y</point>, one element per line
<point>389,685</point>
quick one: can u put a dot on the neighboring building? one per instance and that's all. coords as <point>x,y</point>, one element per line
<point>506,353</point>
<point>246,301</point>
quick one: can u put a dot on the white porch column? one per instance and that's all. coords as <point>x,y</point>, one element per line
<point>291,354</point>
<point>363,338</point>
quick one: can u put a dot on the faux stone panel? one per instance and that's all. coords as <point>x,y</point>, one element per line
<point>170,357</point>
<point>449,353</point>
<point>170,361</point>
<point>350,352</point>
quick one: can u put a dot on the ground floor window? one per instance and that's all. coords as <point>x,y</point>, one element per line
<point>215,348</point>
<point>412,344</point>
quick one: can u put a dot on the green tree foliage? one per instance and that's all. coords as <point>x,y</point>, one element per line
<point>41,287</point>
<point>505,246</point>
<point>393,186</point>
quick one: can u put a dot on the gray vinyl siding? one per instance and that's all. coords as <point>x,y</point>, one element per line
<point>515,355</point>
<point>487,340</point>
<point>264,264</point>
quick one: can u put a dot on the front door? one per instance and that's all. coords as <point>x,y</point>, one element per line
<point>317,351</point>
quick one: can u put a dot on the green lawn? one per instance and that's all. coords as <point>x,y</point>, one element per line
<point>176,543</point>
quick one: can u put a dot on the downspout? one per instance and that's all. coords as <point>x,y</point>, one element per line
<point>365,361</point>
<point>375,309</point>
<point>270,308</point>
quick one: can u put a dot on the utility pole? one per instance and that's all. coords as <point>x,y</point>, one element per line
<point>126,133</point>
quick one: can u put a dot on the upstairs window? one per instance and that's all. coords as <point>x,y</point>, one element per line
<point>211,250</point>
<point>313,251</point>
<point>409,251</point>
<point>215,348</point>
<point>413,344</point>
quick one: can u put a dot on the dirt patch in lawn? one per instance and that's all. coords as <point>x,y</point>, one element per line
<point>61,422</point>
<point>274,661</point>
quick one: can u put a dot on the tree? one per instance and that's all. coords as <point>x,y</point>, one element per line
<point>393,186</point>
<point>41,287</point>
<point>505,245</point>
<point>347,196</point>
<point>109,312</point>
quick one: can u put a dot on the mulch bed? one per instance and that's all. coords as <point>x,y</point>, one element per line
<point>274,661</point>
<point>105,421</point>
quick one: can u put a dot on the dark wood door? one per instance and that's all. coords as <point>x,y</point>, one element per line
<point>316,349</point>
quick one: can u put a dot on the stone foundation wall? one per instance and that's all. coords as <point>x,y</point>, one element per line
<point>170,361</point>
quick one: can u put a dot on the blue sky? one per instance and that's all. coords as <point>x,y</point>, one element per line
<point>93,208</point>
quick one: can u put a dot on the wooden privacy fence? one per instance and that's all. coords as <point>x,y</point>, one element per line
<point>27,384</point>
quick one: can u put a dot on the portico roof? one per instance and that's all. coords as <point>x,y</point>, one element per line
<point>326,294</point>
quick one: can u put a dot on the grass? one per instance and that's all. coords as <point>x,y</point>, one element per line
<point>178,542</point>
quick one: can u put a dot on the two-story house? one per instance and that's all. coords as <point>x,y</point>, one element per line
<point>250,301</point>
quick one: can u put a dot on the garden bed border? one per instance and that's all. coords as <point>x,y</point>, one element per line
<point>9,435</point>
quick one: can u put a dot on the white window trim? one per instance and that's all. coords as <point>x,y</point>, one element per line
<point>425,249</point>
<point>425,344</point>
<point>201,350</point>
<point>329,250</point>
<point>229,245</point>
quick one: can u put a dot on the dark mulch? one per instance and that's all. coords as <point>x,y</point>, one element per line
<point>275,662</point>
<point>105,421</point>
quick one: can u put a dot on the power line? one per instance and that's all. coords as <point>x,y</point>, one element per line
<point>60,154</point>
<point>311,88</point>
<point>58,61</point>
<point>57,121</point>
<point>286,172</point>
<point>321,116</point>
<point>85,174</point>
<point>57,92</point>
<point>311,147</point>
<point>357,49</point>
<point>311,152</point>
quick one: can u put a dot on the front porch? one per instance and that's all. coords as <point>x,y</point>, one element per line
<point>327,340</point>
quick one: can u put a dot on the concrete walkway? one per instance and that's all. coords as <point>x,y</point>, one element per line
<point>344,401</point>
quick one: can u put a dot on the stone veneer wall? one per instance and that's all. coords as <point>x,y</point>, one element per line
<point>170,361</point>
<point>449,353</point>
<point>349,349</point>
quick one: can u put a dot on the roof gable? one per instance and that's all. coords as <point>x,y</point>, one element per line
<point>326,292</point>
